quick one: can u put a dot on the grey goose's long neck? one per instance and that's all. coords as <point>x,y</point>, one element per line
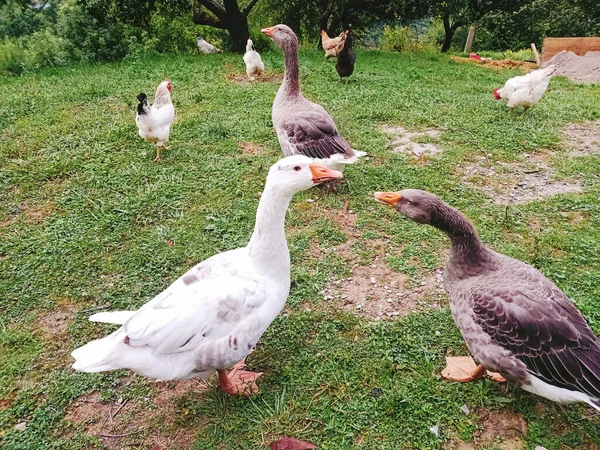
<point>268,246</point>
<point>291,80</point>
<point>468,255</point>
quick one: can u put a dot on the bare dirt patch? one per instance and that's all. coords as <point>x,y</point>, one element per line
<point>147,422</point>
<point>500,64</point>
<point>267,77</point>
<point>377,292</point>
<point>582,139</point>
<point>56,322</point>
<point>250,148</point>
<point>404,141</point>
<point>33,212</point>
<point>504,430</point>
<point>374,290</point>
<point>516,182</point>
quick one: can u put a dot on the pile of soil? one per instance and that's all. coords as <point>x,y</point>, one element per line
<point>584,69</point>
<point>498,64</point>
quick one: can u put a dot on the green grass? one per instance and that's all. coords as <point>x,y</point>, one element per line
<point>87,218</point>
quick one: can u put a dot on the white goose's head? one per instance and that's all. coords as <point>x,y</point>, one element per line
<point>298,173</point>
<point>249,45</point>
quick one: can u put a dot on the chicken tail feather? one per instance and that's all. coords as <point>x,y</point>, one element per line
<point>141,108</point>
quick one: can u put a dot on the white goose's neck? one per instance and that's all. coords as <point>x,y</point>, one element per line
<point>268,246</point>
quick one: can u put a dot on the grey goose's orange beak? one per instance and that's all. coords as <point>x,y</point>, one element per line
<point>391,198</point>
<point>323,174</point>
<point>268,31</point>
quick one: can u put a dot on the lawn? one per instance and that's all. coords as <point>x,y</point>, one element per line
<point>87,219</point>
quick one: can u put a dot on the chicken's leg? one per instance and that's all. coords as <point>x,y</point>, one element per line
<point>157,153</point>
<point>525,108</point>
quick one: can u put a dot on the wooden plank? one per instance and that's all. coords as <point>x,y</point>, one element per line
<point>578,45</point>
<point>470,37</point>
<point>536,54</point>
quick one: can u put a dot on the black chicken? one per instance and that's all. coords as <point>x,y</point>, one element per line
<point>345,59</point>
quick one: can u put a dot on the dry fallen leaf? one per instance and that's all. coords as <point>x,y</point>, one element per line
<point>291,444</point>
<point>170,243</point>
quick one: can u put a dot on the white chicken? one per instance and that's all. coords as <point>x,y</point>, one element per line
<point>526,90</point>
<point>254,64</point>
<point>154,122</point>
<point>205,47</point>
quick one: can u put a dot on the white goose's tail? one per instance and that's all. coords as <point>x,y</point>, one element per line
<point>95,356</point>
<point>352,159</point>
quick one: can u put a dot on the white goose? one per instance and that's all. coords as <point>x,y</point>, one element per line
<point>212,316</point>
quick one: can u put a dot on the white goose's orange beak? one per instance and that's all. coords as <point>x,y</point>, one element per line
<point>323,174</point>
<point>268,31</point>
<point>391,198</point>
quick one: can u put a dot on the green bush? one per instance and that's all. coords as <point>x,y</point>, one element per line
<point>92,32</point>
<point>45,49</point>
<point>176,35</point>
<point>12,58</point>
<point>399,39</point>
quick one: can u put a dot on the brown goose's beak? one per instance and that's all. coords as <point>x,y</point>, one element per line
<point>268,31</point>
<point>391,198</point>
<point>323,174</point>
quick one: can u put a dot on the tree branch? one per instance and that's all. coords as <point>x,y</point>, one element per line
<point>214,7</point>
<point>204,18</point>
<point>249,7</point>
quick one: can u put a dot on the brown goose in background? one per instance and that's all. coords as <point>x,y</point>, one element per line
<point>514,320</point>
<point>303,127</point>
<point>345,59</point>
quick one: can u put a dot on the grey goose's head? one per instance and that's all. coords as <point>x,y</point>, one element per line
<point>419,206</point>
<point>282,35</point>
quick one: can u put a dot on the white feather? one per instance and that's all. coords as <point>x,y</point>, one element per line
<point>557,394</point>
<point>116,317</point>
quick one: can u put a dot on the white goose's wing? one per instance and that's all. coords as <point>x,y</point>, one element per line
<point>205,304</point>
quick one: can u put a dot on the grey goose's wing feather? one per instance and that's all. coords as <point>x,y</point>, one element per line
<point>528,315</point>
<point>314,134</point>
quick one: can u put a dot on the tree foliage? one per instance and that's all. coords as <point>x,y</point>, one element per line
<point>308,17</point>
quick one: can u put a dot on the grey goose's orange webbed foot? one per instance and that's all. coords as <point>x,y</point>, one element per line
<point>463,369</point>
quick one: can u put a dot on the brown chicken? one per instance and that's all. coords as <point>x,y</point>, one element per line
<point>333,46</point>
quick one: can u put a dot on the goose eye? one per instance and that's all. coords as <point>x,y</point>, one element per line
<point>297,168</point>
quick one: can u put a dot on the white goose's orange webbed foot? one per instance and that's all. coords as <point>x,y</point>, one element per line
<point>239,381</point>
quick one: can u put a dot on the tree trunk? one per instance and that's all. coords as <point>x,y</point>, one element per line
<point>236,23</point>
<point>237,26</point>
<point>449,31</point>
<point>227,16</point>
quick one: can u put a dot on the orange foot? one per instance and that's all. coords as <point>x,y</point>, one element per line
<point>463,369</point>
<point>239,381</point>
